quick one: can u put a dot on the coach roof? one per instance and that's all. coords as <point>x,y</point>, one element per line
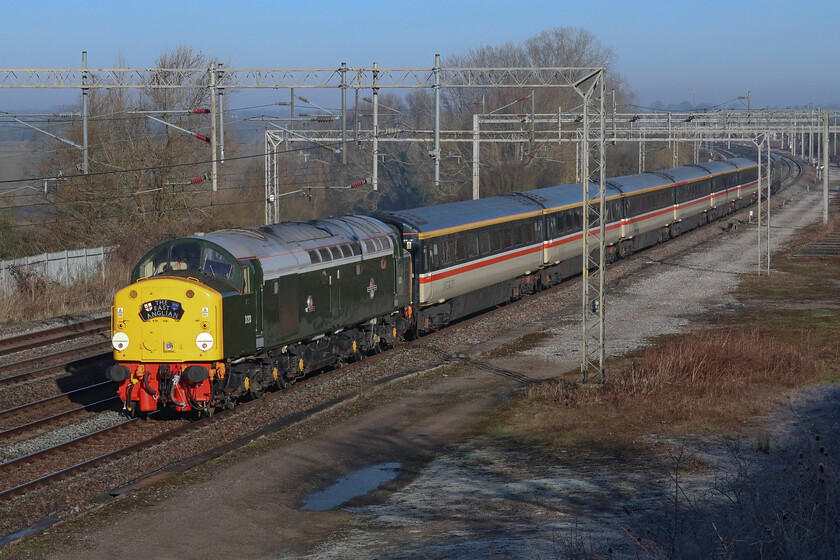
<point>443,217</point>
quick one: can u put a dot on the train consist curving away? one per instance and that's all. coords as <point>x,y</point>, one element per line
<point>217,317</point>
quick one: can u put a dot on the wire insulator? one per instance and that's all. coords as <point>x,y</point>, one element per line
<point>198,179</point>
<point>355,184</point>
<point>201,137</point>
<point>201,111</point>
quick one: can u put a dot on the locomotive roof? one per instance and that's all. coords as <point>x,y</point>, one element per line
<point>284,247</point>
<point>440,218</point>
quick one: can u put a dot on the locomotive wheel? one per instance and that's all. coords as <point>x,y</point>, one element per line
<point>257,391</point>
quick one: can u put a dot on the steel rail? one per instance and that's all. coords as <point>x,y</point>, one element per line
<point>16,343</point>
<point>9,411</point>
<point>97,349</point>
<point>44,453</point>
<point>35,423</point>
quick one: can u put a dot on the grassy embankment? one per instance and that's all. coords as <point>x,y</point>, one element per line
<point>699,383</point>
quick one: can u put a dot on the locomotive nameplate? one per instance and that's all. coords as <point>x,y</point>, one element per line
<point>161,308</point>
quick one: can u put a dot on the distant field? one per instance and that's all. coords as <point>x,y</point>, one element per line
<point>15,157</point>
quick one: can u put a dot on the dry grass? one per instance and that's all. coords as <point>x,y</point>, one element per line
<point>35,298</point>
<point>699,383</point>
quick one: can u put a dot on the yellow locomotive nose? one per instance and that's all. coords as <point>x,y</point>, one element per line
<point>167,320</point>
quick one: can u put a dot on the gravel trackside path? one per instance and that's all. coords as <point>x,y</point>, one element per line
<point>450,501</point>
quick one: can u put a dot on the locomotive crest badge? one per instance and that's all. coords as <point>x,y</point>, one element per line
<point>161,308</point>
<point>310,305</point>
<point>371,289</point>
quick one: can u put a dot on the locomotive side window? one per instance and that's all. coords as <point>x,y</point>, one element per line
<point>248,280</point>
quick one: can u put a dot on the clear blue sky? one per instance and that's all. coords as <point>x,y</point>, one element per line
<point>785,53</point>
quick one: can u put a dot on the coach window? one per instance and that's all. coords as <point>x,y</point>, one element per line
<point>433,256</point>
<point>449,253</point>
<point>731,179</point>
<point>484,242</point>
<point>496,239</point>
<point>507,237</point>
<point>460,247</point>
<point>472,245</point>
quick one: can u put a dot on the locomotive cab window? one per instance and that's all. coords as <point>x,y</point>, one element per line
<point>171,258</point>
<point>189,258</point>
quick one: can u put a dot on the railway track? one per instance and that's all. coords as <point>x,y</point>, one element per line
<point>12,344</point>
<point>47,364</point>
<point>39,414</point>
<point>16,474</point>
<point>43,457</point>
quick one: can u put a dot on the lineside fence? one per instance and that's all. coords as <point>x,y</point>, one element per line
<point>63,267</point>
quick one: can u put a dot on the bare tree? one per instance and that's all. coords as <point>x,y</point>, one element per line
<point>140,174</point>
